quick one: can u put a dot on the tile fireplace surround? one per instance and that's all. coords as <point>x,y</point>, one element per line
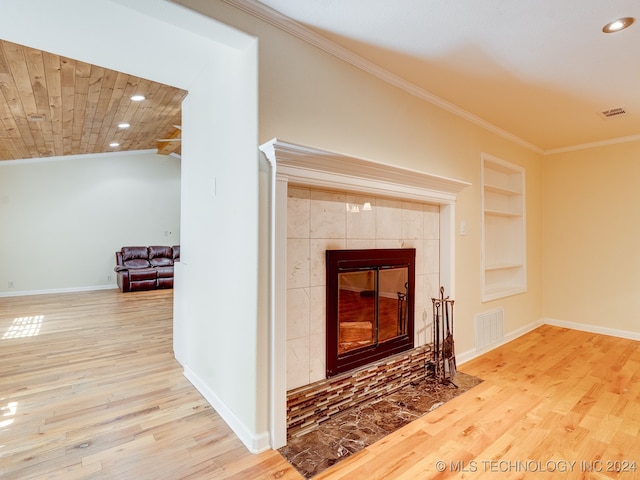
<point>323,200</point>
<point>318,221</point>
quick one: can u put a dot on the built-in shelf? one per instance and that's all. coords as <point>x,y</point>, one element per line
<point>501,213</point>
<point>501,190</point>
<point>504,266</point>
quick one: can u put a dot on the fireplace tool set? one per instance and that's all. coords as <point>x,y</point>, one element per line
<point>443,360</point>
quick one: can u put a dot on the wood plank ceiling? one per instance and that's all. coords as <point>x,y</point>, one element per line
<point>54,106</point>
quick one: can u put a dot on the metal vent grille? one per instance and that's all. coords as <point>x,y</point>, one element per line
<point>489,328</point>
<point>614,113</point>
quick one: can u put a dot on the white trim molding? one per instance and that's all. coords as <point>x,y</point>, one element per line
<point>257,443</point>
<point>81,156</point>
<point>288,25</point>
<point>468,355</point>
<point>313,167</point>
<point>22,293</point>
<point>584,327</point>
<point>298,165</point>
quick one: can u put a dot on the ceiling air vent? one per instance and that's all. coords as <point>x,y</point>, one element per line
<point>614,113</point>
<point>35,117</point>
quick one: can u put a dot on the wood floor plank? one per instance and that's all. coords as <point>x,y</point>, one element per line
<point>89,389</point>
<point>94,392</point>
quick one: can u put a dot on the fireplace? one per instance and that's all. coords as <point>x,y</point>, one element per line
<point>297,287</point>
<point>369,306</point>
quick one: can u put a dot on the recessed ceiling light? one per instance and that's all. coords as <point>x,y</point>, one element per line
<point>137,98</point>
<point>618,25</point>
<point>114,144</point>
<point>123,125</point>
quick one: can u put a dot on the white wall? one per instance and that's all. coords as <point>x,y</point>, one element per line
<point>158,40</point>
<point>216,315</point>
<point>63,219</point>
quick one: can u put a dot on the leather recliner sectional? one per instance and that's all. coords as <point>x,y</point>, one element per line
<point>146,268</point>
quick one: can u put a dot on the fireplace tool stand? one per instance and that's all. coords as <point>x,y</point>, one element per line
<point>443,359</point>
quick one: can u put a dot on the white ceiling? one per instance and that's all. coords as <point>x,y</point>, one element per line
<point>541,70</point>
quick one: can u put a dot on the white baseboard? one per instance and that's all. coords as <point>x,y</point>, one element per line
<point>23,293</point>
<point>593,329</point>
<point>255,443</point>
<point>473,353</point>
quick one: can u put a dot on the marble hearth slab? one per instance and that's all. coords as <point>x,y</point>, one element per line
<point>363,425</point>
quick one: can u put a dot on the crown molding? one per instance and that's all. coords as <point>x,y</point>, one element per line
<point>585,146</point>
<point>319,168</point>
<point>81,156</point>
<point>284,23</point>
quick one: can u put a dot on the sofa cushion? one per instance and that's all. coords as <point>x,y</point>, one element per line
<point>161,262</point>
<point>137,263</point>
<point>143,285</point>
<point>135,257</point>
<point>165,282</point>
<point>176,253</point>
<point>160,256</point>
<point>165,271</point>
<point>139,274</point>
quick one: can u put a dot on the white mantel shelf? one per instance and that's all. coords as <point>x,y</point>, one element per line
<point>306,166</point>
<point>313,167</point>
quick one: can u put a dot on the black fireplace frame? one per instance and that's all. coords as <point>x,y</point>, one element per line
<point>352,260</point>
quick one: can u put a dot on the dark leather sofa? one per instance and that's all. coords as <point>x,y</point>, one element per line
<point>146,268</point>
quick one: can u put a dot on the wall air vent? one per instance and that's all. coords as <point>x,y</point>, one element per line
<point>489,328</point>
<point>614,113</point>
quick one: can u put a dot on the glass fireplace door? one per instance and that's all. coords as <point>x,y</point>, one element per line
<point>369,305</point>
<point>372,306</point>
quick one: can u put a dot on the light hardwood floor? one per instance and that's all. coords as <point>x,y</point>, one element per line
<point>89,389</point>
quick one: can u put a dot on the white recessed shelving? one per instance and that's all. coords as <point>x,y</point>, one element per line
<point>504,264</point>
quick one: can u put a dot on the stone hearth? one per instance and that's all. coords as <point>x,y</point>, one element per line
<point>313,405</point>
<point>361,426</point>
